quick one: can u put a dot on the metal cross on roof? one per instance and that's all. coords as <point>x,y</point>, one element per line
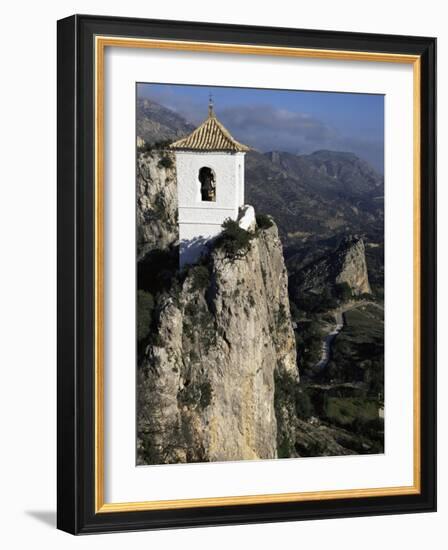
<point>210,104</point>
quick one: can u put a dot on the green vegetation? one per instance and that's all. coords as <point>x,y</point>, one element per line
<point>190,309</point>
<point>314,302</point>
<point>345,410</point>
<point>284,448</point>
<point>165,162</point>
<point>150,453</point>
<point>162,144</point>
<point>158,271</point>
<point>264,221</point>
<point>159,209</point>
<point>308,342</point>
<point>343,292</point>
<point>290,399</point>
<point>157,278</point>
<point>296,314</point>
<point>198,320</point>
<point>234,241</point>
<point>206,392</point>
<point>285,392</point>
<point>196,395</point>
<point>304,405</point>
<point>358,351</point>
<point>360,417</point>
<point>145,148</point>
<point>200,277</point>
<point>149,147</point>
<point>367,319</point>
<point>145,307</point>
<point>282,316</point>
<point>347,394</point>
<point>375,267</point>
<point>285,388</point>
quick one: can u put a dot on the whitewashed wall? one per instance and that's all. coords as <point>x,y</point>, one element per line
<point>199,220</point>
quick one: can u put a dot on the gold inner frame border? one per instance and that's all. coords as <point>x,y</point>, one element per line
<point>101,42</point>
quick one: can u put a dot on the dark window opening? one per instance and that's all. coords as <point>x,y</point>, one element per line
<point>208,184</point>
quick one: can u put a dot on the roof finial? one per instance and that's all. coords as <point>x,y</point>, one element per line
<point>210,105</point>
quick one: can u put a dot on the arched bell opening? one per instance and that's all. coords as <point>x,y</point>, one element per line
<point>207,179</point>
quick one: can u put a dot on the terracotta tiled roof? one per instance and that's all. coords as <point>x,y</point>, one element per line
<point>209,136</point>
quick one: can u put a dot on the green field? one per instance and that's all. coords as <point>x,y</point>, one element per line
<point>365,323</point>
<point>344,410</point>
<point>358,352</point>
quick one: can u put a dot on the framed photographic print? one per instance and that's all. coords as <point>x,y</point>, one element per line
<point>246,271</point>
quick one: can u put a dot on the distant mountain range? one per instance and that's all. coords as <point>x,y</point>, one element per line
<point>329,209</point>
<point>317,195</point>
<point>312,197</point>
<point>157,123</point>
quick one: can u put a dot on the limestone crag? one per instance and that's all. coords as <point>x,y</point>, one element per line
<point>206,388</point>
<point>156,202</point>
<point>353,267</point>
<point>345,265</point>
<point>156,124</point>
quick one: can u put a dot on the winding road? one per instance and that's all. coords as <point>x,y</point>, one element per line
<point>329,338</point>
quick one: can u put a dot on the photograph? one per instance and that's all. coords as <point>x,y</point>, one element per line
<point>230,215</point>
<point>246,273</point>
<point>260,274</point>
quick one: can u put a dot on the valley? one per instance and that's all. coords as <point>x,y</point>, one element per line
<point>328,207</point>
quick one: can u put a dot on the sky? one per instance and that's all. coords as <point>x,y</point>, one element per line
<point>285,120</point>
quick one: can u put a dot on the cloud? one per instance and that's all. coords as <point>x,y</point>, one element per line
<point>191,109</point>
<point>267,127</point>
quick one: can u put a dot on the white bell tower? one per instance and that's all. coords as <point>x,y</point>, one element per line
<point>210,184</point>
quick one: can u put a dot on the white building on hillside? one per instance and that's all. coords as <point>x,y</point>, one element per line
<point>210,184</point>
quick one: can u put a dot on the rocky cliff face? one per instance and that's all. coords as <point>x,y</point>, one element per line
<point>156,202</point>
<point>315,196</point>
<point>207,382</point>
<point>156,123</point>
<point>352,266</point>
<point>344,266</point>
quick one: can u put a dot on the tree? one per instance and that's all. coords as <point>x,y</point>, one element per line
<point>264,221</point>
<point>234,240</point>
<point>344,291</point>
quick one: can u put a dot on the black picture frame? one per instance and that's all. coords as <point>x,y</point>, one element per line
<point>76,255</point>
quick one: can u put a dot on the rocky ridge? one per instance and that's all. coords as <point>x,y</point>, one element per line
<point>156,123</point>
<point>221,338</point>
<point>156,202</point>
<point>346,265</point>
<point>199,397</point>
<point>207,385</point>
